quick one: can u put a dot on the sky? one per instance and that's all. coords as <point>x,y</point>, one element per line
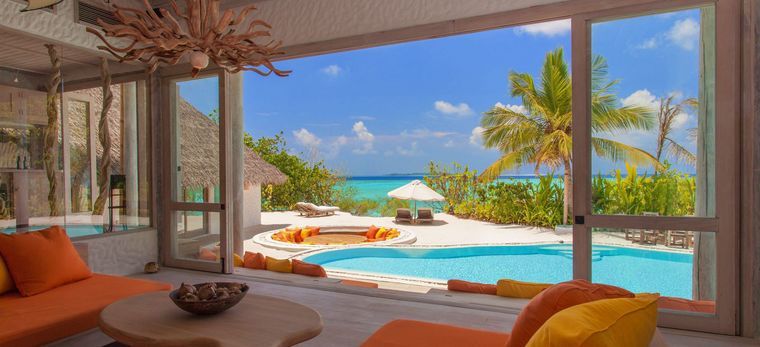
<point>392,109</point>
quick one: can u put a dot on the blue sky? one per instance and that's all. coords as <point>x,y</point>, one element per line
<point>392,109</point>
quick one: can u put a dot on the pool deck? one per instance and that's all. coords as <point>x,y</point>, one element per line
<point>447,230</point>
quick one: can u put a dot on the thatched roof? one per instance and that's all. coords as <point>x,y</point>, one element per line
<point>200,141</point>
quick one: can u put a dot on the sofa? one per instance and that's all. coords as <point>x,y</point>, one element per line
<point>48,293</point>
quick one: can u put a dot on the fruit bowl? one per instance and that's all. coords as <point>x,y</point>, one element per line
<point>208,298</point>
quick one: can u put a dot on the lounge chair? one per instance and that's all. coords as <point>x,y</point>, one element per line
<point>679,238</point>
<point>310,210</point>
<point>425,215</point>
<point>403,215</point>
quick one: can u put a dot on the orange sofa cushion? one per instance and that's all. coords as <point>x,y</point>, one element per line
<point>308,269</point>
<point>42,260</point>
<point>471,287</point>
<point>371,232</point>
<point>207,254</point>
<point>519,289</point>
<point>680,304</point>
<point>424,334</point>
<point>6,281</point>
<point>64,311</point>
<point>314,230</point>
<point>254,261</point>
<point>557,298</point>
<point>279,265</point>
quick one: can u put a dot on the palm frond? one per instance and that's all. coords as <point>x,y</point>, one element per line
<point>618,151</point>
<point>505,162</point>
<point>680,153</point>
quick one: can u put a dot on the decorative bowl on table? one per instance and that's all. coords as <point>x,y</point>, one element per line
<point>208,298</point>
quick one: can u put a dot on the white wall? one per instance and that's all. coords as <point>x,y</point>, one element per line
<point>252,206</point>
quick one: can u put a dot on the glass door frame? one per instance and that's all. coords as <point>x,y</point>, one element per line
<point>727,115</point>
<point>168,190</point>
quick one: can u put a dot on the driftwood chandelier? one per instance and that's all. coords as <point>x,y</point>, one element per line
<point>158,37</point>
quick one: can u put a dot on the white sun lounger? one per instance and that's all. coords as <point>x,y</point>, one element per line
<point>310,210</point>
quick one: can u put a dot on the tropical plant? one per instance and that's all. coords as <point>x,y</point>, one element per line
<point>667,114</point>
<point>456,183</point>
<point>542,134</point>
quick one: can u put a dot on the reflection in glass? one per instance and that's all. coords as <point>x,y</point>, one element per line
<point>197,235</point>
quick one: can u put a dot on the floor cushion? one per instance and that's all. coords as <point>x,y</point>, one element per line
<point>254,261</point>
<point>64,311</point>
<point>308,269</point>
<point>471,287</point>
<point>629,322</point>
<point>518,289</point>
<point>42,260</point>
<point>279,265</point>
<point>404,332</point>
<point>681,304</point>
<point>555,299</point>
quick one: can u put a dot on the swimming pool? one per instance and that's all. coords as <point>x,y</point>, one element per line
<point>75,230</point>
<point>638,270</point>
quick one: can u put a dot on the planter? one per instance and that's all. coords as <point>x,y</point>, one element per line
<point>563,229</point>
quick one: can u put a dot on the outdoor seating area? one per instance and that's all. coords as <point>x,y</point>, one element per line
<point>308,209</point>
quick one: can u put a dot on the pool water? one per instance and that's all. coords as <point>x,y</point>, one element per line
<point>637,270</point>
<point>74,230</point>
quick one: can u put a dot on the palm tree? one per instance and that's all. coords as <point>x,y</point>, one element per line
<point>543,134</point>
<point>666,115</point>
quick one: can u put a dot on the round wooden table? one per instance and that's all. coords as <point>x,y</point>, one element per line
<point>153,320</point>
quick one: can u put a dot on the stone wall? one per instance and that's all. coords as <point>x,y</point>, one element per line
<point>121,253</point>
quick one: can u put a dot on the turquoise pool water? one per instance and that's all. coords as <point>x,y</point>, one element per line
<point>637,270</point>
<point>74,230</point>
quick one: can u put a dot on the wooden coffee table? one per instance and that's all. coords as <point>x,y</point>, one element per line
<point>153,320</point>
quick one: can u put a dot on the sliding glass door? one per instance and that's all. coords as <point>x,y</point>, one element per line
<point>655,189</point>
<point>196,173</point>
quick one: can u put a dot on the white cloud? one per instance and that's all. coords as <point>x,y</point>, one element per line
<point>476,136</point>
<point>648,44</point>
<point>367,118</point>
<point>306,138</point>
<point>366,138</point>
<point>449,144</point>
<point>645,98</point>
<point>408,152</point>
<point>425,133</point>
<point>332,70</point>
<point>445,107</point>
<point>514,108</point>
<point>684,33</point>
<point>551,29</point>
<point>333,149</point>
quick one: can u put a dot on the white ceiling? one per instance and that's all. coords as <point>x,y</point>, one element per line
<point>30,54</point>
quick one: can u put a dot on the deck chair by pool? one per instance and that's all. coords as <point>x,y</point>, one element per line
<point>310,210</point>
<point>403,215</point>
<point>425,215</point>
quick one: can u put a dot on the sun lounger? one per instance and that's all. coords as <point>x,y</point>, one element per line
<point>403,215</point>
<point>425,215</point>
<point>310,210</point>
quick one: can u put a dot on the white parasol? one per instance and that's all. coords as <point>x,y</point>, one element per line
<point>417,191</point>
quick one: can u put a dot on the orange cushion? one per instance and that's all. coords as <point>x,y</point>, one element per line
<point>680,304</point>
<point>64,311</point>
<point>42,260</point>
<point>308,269</point>
<point>471,287</point>
<point>381,233</point>
<point>305,232</point>
<point>519,289</point>
<point>237,260</point>
<point>207,254</point>
<point>404,332</point>
<point>375,240</point>
<point>254,261</point>
<point>314,230</point>
<point>557,298</point>
<point>372,231</point>
<point>6,281</point>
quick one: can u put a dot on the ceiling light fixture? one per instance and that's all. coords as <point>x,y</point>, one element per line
<point>158,37</point>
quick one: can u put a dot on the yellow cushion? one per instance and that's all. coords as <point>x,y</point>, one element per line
<point>518,289</point>
<point>238,261</point>
<point>629,322</point>
<point>279,265</point>
<point>305,232</point>
<point>381,233</point>
<point>6,281</point>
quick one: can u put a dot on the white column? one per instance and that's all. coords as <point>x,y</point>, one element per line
<point>129,149</point>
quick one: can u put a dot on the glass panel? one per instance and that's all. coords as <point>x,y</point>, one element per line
<point>680,265</point>
<point>80,158</point>
<point>197,235</point>
<point>653,121</point>
<point>196,112</point>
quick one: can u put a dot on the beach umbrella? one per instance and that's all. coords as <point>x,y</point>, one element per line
<point>417,191</point>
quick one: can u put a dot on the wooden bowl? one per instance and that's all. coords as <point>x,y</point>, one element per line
<point>209,307</point>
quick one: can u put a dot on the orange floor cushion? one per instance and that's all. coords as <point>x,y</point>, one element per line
<point>64,311</point>
<point>471,287</point>
<point>422,334</point>
<point>681,304</point>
